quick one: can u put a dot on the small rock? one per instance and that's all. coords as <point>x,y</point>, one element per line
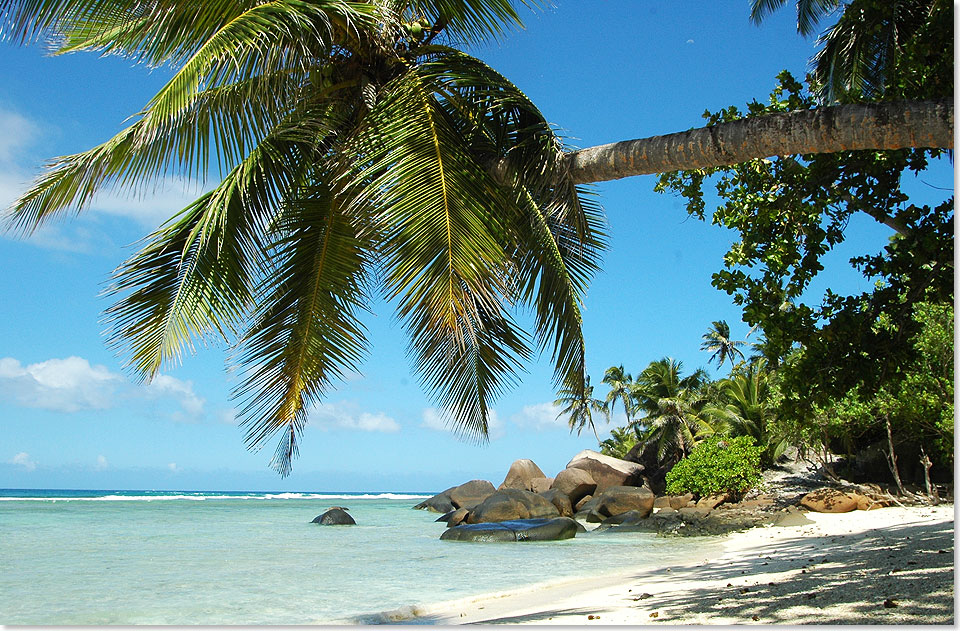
<point>810,596</point>
<point>755,618</point>
<point>890,603</point>
<point>655,614</point>
<point>592,617</point>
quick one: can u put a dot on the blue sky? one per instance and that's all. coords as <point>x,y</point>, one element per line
<point>600,71</point>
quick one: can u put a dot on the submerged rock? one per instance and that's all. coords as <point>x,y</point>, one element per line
<point>439,503</point>
<point>515,530</point>
<point>335,516</point>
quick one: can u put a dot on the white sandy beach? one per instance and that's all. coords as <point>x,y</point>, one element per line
<point>887,566</point>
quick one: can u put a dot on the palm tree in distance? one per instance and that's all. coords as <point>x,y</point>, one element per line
<point>672,407</point>
<point>359,156</point>
<point>747,410</point>
<point>620,383</point>
<point>717,340</point>
<point>579,406</point>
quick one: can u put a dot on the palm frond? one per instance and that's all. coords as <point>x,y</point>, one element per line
<point>306,333</point>
<point>196,274</point>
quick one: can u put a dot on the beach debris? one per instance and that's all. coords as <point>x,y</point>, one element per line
<point>642,596</point>
<point>888,603</point>
<point>755,618</point>
<point>810,596</point>
<point>744,590</point>
<point>592,617</point>
<point>729,584</point>
<point>655,614</point>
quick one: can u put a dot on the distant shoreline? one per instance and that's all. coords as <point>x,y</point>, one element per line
<point>886,566</point>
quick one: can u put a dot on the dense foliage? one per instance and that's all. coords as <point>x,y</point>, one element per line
<point>717,465</point>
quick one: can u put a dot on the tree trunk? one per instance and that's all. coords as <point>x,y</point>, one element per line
<point>931,490</point>
<point>892,459</point>
<point>880,126</point>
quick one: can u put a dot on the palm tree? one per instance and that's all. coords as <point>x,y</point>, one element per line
<point>619,383</point>
<point>859,52</point>
<point>360,156</point>
<point>672,406</point>
<point>747,410</point>
<point>580,406</point>
<point>717,340</point>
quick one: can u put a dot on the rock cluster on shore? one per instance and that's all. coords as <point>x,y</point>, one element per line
<point>616,495</point>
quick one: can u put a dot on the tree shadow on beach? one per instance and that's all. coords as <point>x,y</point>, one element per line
<point>883,576</point>
<point>878,577</point>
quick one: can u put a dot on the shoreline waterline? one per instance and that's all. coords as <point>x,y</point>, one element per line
<point>886,566</point>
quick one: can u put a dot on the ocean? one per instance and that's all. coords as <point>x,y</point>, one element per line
<point>254,558</point>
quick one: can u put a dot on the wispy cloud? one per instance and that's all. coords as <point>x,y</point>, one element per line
<point>22,459</point>
<point>62,385</point>
<point>73,384</point>
<point>440,421</point>
<point>101,463</point>
<point>346,415</point>
<point>16,133</point>
<point>154,202</point>
<point>540,416</point>
<point>191,405</point>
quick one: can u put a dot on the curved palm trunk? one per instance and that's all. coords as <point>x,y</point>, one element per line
<point>891,125</point>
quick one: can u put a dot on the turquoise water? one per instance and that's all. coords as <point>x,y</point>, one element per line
<point>138,557</point>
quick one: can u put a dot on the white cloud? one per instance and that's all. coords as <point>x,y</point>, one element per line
<point>101,463</point>
<point>181,391</point>
<point>344,415</point>
<point>227,416</point>
<point>540,416</point>
<point>73,385</point>
<point>23,459</point>
<point>153,205</point>
<point>689,41</point>
<point>173,467</point>
<point>61,385</point>
<point>16,132</point>
<point>440,421</point>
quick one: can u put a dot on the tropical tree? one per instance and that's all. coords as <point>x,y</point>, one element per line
<point>360,156</point>
<point>619,382</point>
<point>717,340</point>
<point>672,407</point>
<point>747,409</point>
<point>861,54</point>
<point>579,406</point>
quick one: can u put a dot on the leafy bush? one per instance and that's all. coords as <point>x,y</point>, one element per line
<point>717,465</point>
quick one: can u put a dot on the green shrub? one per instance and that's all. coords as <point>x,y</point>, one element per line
<point>717,465</point>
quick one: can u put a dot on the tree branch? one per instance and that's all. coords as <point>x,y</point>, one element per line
<point>880,126</point>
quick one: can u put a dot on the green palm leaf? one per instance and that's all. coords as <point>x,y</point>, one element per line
<point>306,334</point>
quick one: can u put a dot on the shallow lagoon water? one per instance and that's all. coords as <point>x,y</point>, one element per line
<point>135,557</point>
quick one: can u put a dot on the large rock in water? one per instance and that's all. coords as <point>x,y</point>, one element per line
<point>607,471</point>
<point>512,504</point>
<point>622,499</point>
<point>560,500</point>
<point>575,484</point>
<point>515,530</point>
<point>335,516</point>
<point>471,493</point>
<point>521,475</point>
<point>439,503</point>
